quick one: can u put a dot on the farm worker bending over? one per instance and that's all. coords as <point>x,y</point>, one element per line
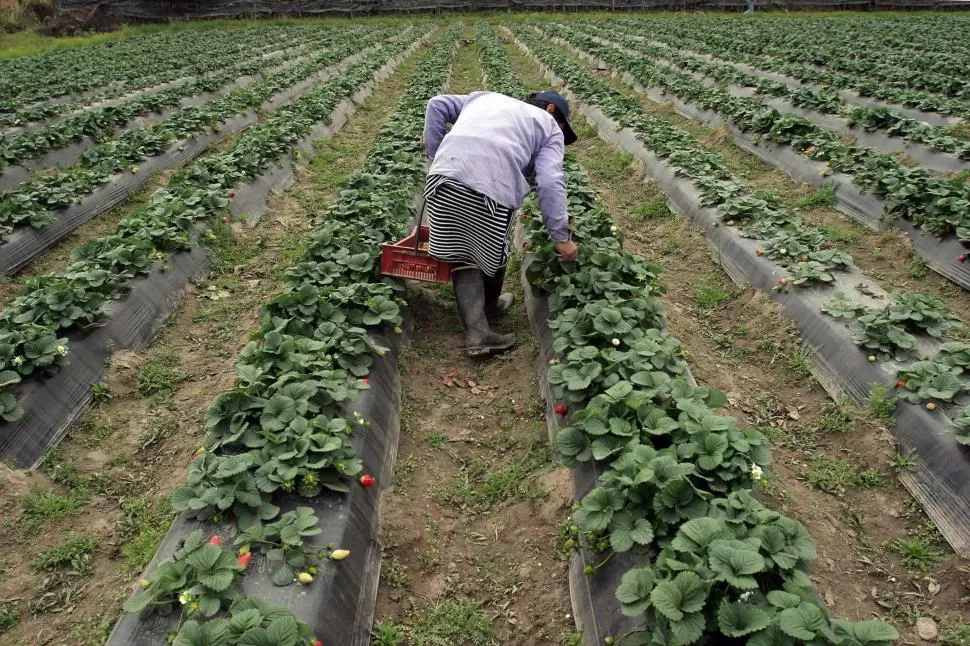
<point>478,178</point>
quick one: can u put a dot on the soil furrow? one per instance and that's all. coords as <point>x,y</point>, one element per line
<point>470,524</point>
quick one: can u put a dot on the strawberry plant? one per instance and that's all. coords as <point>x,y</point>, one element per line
<point>31,348</point>
<point>284,543</point>
<point>905,189</point>
<point>961,428</point>
<point>922,313</point>
<point>955,353</point>
<point>841,306</point>
<point>934,380</point>
<point>809,273</point>
<point>250,621</point>
<point>878,331</point>
<point>100,123</point>
<point>197,580</point>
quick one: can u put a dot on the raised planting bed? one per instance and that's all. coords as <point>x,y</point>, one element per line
<point>61,143</point>
<point>940,481</point>
<point>310,376</point>
<point>50,406</point>
<point>670,539</point>
<point>936,226</point>
<point>53,206</point>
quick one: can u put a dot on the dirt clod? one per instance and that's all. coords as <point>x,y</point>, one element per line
<point>926,629</point>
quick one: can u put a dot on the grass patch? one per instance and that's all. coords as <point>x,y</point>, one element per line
<point>436,439</point>
<point>63,473</point>
<point>957,634</point>
<point>710,293</point>
<point>842,236</point>
<point>881,404</point>
<point>143,527</point>
<point>831,475</point>
<point>71,552</point>
<point>918,268</point>
<point>9,614</point>
<point>394,574</point>
<point>672,245</point>
<point>445,623</point>
<point>903,461</point>
<point>824,196</point>
<point>834,475</point>
<point>654,209</point>
<point>481,487</point>
<point>157,379</point>
<point>387,634</point>
<point>835,420</point>
<point>802,361</point>
<point>39,506</point>
<point>404,473</point>
<point>916,553</point>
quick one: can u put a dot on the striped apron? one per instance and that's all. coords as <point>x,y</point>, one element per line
<point>467,227</point>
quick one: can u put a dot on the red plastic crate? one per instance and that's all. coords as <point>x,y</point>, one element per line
<point>408,259</point>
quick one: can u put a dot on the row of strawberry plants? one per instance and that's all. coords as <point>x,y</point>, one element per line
<point>36,200</point>
<point>676,485</point>
<point>883,333</point>
<point>77,296</point>
<point>123,65</point>
<point>728,46</point>
<point>852,51</point>
<point>825,100</point>
<point>804,251</point>
<point>215,58</point>
<point>936,205</point>
<point>100,123</point>
<point>281,429</point>
<point>926,42</point>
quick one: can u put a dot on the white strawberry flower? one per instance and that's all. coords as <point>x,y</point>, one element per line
<point>615,341</point>
<point>17,361</point>
<point>185,598</point>
<point>61,350</point>
<point>756,472</point>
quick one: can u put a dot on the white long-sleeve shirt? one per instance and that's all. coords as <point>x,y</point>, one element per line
<point>495,144</point>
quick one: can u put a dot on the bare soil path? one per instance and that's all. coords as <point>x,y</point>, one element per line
<point>471,522</point>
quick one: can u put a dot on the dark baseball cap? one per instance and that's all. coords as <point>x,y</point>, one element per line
<point>562,105</point>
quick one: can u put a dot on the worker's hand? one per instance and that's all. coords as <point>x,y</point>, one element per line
<point>567,251</point>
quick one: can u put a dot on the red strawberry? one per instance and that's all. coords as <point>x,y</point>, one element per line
<point>318,643</point>
<point>829,245</point>
<point>900,384</point>
<point>365,380</point>
<point>757,252</point>
<point>225,220</point>
<point>560,409</point>
<point>962,258</point>
<point>232,194</point>
<point>367,480</point>
<point>781,281</point>
<point>215,540</point>
<point>244,559</point>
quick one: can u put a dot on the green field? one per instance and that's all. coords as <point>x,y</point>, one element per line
<point>762,352</point>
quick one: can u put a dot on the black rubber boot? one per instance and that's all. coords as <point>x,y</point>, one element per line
<point>496,303</point>
<point>470,295</point>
